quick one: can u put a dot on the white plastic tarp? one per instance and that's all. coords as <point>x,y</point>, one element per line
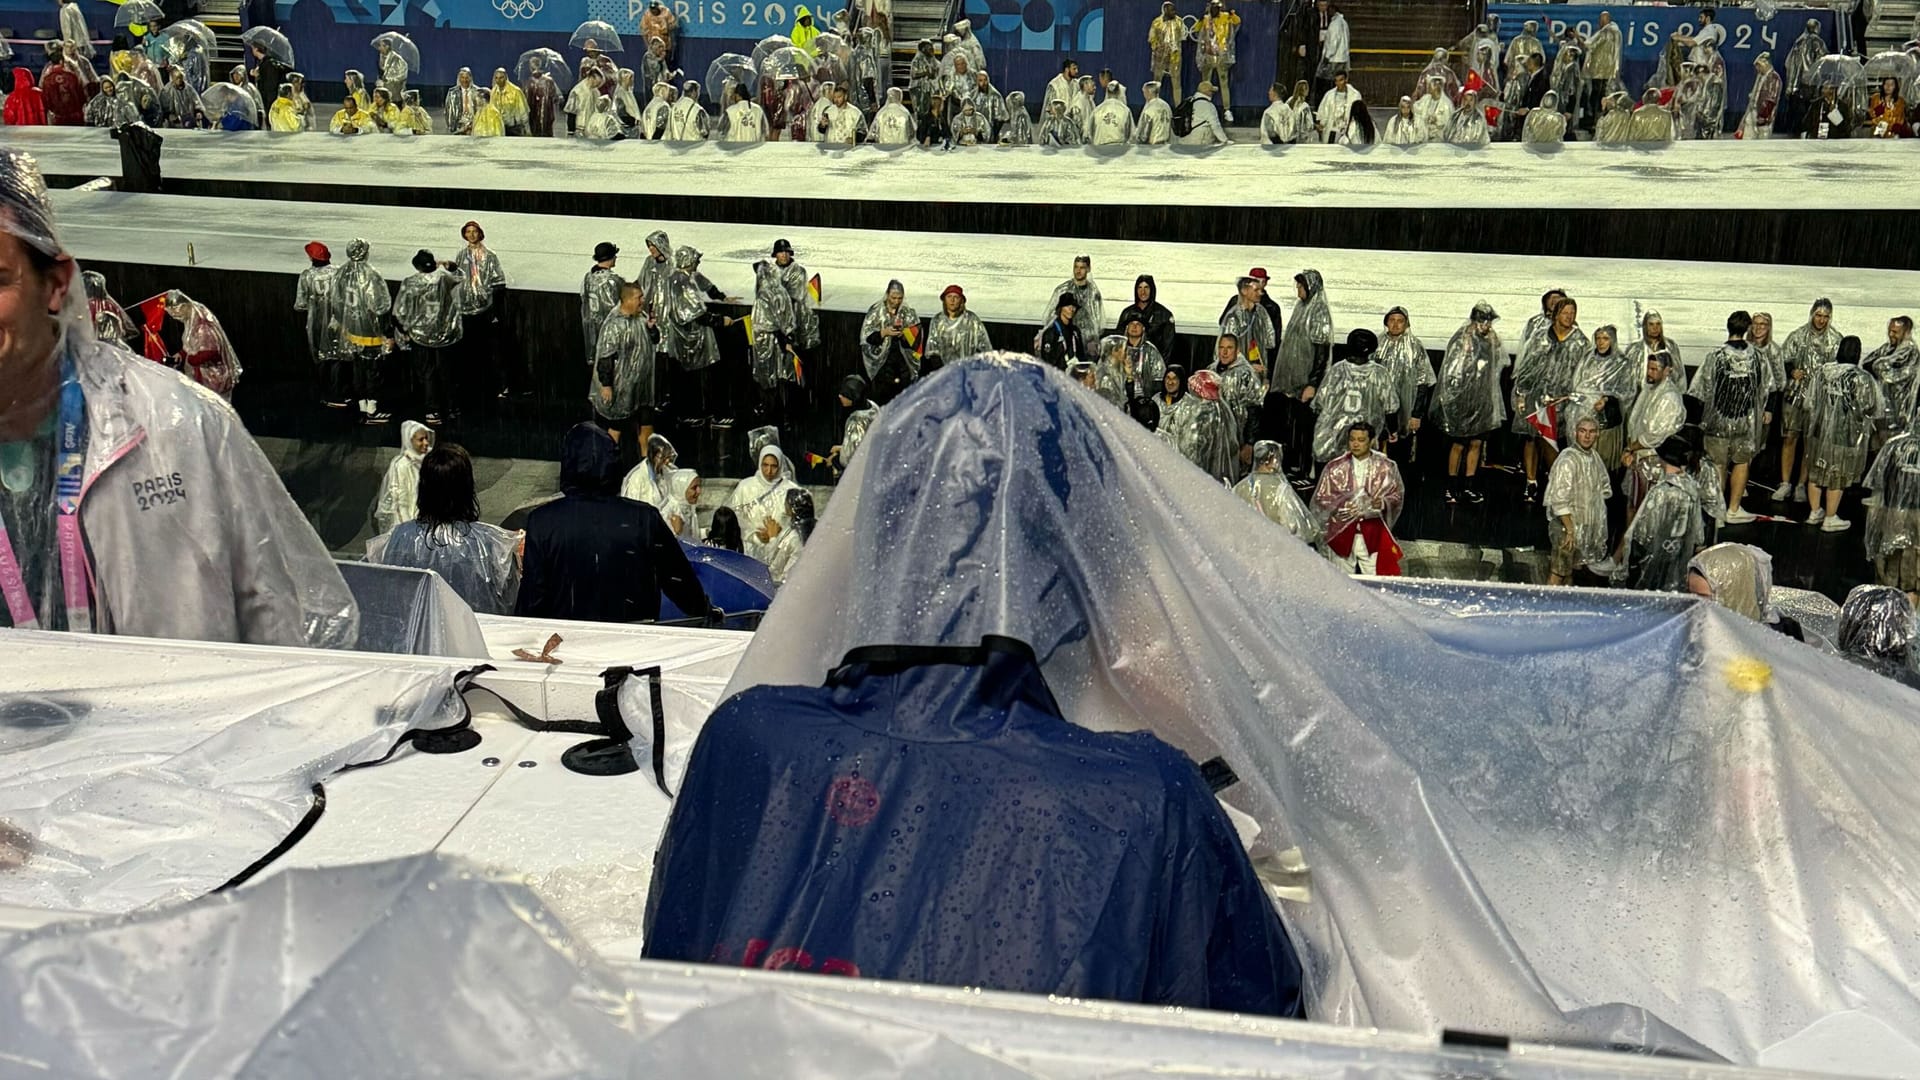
<point>412,612</point>
<point>137,773</point>
<point>422,967</point>
<point>1666,827</point>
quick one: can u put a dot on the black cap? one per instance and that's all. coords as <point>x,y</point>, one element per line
<point>423,260</point>
<point>603,251</point>
<point>1066,298</point>
<point>782,245</point>
<point>1132,317</point>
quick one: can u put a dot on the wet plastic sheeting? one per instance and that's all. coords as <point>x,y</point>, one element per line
<point>412,612</point>
<point>138,774</point>
<point>424,967</point>
<point>1622,828</point>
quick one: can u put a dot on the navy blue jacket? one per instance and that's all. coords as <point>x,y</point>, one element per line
<point>928,815</point>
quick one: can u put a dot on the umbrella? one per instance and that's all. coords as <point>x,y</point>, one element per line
<point>1847,73</point>
<point>791,62</point>
<point>223,98</point>
<point>1892,64</point>
<point>403,45</point>
<point>551,62</point>
<point>138,12</point>
<point>192,33</point>
<point>832,52</point>
<point>767,45</point>
<point>729,68</point>
<point>271,41</point>
<point>734,582</point>
<point>600,35</point>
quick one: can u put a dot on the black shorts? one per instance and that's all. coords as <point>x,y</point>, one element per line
<point>1463,440</point>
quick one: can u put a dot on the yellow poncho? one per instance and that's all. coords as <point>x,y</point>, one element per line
<point>512,103</point>
<point>487,122</point>
<point>285,116</point>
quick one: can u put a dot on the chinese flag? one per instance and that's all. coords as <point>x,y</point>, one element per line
<point>813,287</point>
<point>1388,563</point>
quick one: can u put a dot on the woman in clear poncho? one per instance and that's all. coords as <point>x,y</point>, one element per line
<point>1893,518</point>
<point>478,561</point>
<point>1018,130</point>
<point>680,510</point>
<point>1201,427</point>
<point>1306,347</point>
<point>1844,405</point>
<point>1434,108</point>
<point>1467,403</point>
<point>1739,577</point>
<point>1266,489</point>
<point>1604,388</point>
<point>1404,128</point>
<point>647,482</point>
<point>759,502</point>
<point>686,311</point>
<point>400,491</point>
<point>1545,124</point>
<point>791,538</point>
<point>886,350</point>
<point>1469,124</point>
<point>954,333</point>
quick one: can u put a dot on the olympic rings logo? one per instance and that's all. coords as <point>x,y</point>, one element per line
<point>518,9</point>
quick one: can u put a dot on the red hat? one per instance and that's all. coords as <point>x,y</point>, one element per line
<point>475,226</point>
<point>953,290</point>
<point>1259,272</point>
<point>318,252</point>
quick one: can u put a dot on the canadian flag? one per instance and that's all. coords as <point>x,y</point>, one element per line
<point>1546,421</point>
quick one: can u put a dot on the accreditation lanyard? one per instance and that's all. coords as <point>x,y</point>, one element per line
<point>69,472</point>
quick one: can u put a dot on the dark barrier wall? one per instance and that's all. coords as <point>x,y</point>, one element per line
<point>1868,238</point>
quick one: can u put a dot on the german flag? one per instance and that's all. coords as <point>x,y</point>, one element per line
<point>912,334</point>
<point>813,288</point>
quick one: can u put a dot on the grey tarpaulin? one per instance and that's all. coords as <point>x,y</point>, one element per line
<point>1535,821</point>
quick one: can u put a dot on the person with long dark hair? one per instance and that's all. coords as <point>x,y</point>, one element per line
<point>789,541</point>
<point>479,561</point>
<point>724,531</point>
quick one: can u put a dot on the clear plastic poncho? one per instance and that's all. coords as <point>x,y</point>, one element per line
<point>956,337</point>
<point>655,273</point>
<point>211,361</point>
<point>626,352</point>
<point>1524,44</point>
<point>1202,428</point>
<point>1805,350</point>
<point>1844,404</point>
<point>757,500</point>
<point>1354,390</point>
<point>677,505</point>
<point>481,562</point>
<point>399,498</point>
<point>1732,386</point>
<point>1658,412</point>
<point>1615,125</point>
<point>360,299</point>
<point>1545,124</point>
<point>1664,534</point>
<point>1546,365</point>
<point>775,326</point>
<point>1406,360</point>
<point>1893,521</point>
<point>599,295</point>
<point>1467,401</point>
<point>686,310</point>
<point>1309,331</point>
<point>1469,124</point>
<point>893,124</point>
<point>874,357</point>
<point>1266,489</point>
<point>1616,376</point>
<point>1578,487</point>
<point>1652,122</point>
<point>1018,130</point>
<point>1440,67</point>
<point>427,308</point>
<point>1898,369</point>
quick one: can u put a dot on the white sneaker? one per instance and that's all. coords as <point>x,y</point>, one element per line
<point>1835,524</point>
<point>1799,493</point>
<point>1783,492</point>
<point>1229,115</point>
<point>1738,516</point>
<point>1817,516</point>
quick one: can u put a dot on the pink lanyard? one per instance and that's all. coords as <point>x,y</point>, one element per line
<point>71,434</point>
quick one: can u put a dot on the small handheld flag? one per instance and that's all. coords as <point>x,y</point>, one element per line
<point>813,288</point>
<point>816,460</point>
<point>1546,421</point>
<point>747,321</point>
<point>912,334</point>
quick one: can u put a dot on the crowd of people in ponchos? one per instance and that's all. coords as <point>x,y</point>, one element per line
<point>1312,430</point>
<point>831,86</point>
<point>1279,409</point>
<point>1477,93</point>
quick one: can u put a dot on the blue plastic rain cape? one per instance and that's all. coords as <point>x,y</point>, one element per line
<point>928,815</point>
